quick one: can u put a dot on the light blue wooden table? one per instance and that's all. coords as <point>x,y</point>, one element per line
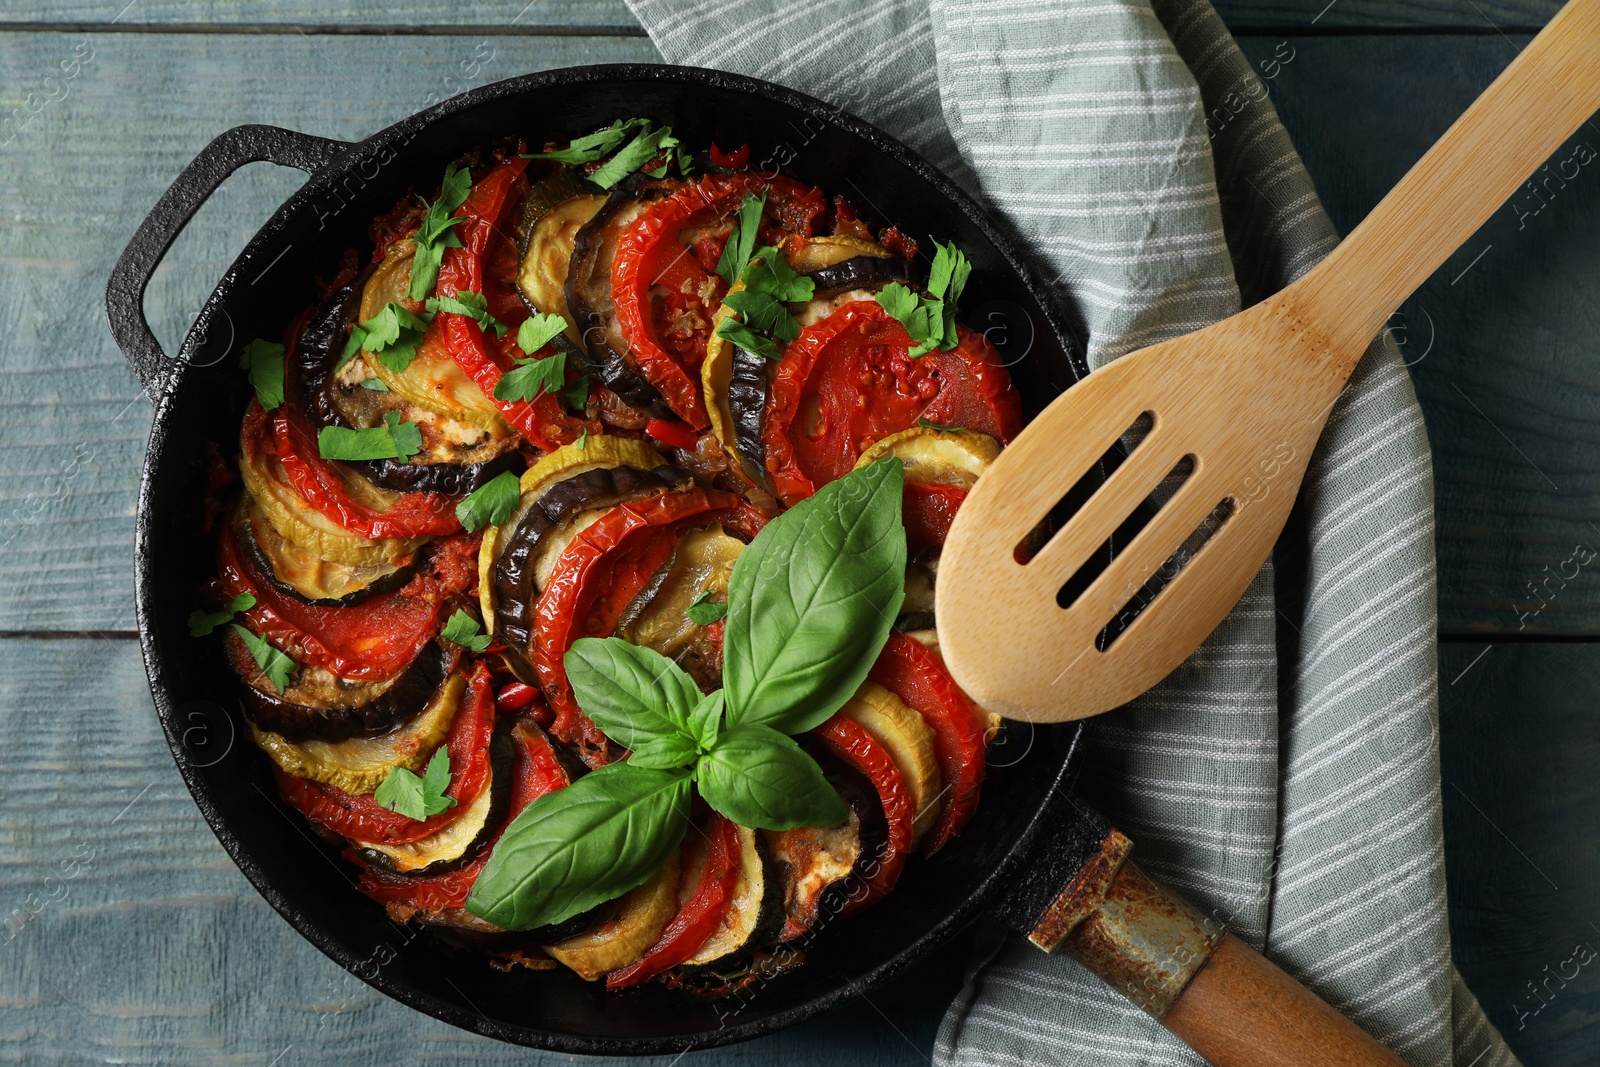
<point>127,936</point>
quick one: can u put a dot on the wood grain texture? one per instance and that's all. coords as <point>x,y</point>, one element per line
<point>1503,347</point>
<point>72,426</point>
<point>127,935</point>
<point>1519,747</point>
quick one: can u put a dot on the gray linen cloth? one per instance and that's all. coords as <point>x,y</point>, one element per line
<point>1286,777</point>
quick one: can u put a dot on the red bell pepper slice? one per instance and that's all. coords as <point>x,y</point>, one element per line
<point>911,672</point>
<point>321,485</point>
<point>738,159</point>
<point>372,640</point>
<point>672,432</point>
<point>927,511</point>
<point>847,382</point>
<point>594,579</point>
<point>666,297</point>
<point>537,771</point>
<point>360,817</point>
<point>850,741</point>
<point>699,917</point>
<point>486,263</point>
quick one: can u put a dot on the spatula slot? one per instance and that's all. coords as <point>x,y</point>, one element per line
<point>1124,534</point>
<point>1084,488</point>
<point>1164,575</point>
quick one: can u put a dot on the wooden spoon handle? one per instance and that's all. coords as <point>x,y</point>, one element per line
<point>1240,1010</point>
<point>1535,104</point>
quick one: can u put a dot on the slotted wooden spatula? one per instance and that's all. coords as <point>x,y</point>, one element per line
<point>1239,406</point>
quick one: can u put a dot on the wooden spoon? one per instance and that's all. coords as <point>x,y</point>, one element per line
<point>1240,404</point>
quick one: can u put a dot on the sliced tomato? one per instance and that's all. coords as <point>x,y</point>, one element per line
<point>594,579</point>
<point>927,511</point>
<point>911,672</point>
<point>362,818</point>
<point>850,741</point>
<point>285,434</point>
<point>666,296</point>
<point>486,263</point>
<point>537,771</point>
<point>705,900</point>
<point>847,382</point>
<point>372,640</point>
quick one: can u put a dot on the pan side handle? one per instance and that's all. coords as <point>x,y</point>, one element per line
<point>1217,994</point>
<point>215,162</point>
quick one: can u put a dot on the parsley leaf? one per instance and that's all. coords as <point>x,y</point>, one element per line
<point>742,241</point>
<point>702,612</point>
<point>760,311</point>
<point>274,664</point>
<point>583,440</point>
<point>264,361</point>
<point>463,629</point>
<point>393,440</point>
<point>352,345</point>
<point>530,377</point>
<point>474,306</point>
<point>769,272</point>
<point>594,146</point>
<point>576,395</point>
<point>392,335</point>
<point>204,622</point>
<point>437,231</point>
<point>375,384</point>
<point>417,798</point>
<point>733,330</point>
<point>491,503</point>
<point>930,319</point>
<point>645,146</point>
<point>539,330</point>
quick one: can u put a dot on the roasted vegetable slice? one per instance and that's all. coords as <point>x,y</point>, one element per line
<point>308,577</point>
<point>626,930</point>
<point>557,207</point>
<point>710,874</point>
<point>853,744</point>
<point>936,457</point>
<point>754,913</point>
<point>909,740</point>
<point>359,765</point>
<point>461,839</point>
<point>701,564</point>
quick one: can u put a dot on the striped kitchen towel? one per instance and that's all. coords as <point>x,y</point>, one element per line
<point>1286,777</point>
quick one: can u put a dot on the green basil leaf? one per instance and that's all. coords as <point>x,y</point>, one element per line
<point>264,361</point>
<point>811,601</point>
<point>761,779</point>
<point>464,630</point>
<point>202,623</point>
<point>274,664</point>
<point>702,612</point>
<point>665,753</point>
<point>583,845</point>
<point>491,503</point>
<point>531,377</point>
<point>705,721</point>
<point>733,330</point>
<point>633,693</point>
<point>539,330</point>
<point>742,241</point>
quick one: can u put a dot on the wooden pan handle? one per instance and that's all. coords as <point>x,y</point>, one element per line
<point>1217,994</point>
<point>1240,1010</point>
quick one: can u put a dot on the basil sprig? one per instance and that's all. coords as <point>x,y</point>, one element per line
<point>810,603</point>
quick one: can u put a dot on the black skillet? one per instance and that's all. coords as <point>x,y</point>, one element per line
<point>1029,837</point>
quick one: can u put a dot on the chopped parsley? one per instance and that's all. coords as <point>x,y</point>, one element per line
<point>491,503</point>
<point>538,330</point>
<point>274,664</point>
<point>264,361</point>
<point>929,424</point>
<point>437,231</point>
<point>417,798</point>
<point>767,285</point>
<point>463,629</point>
<point>392,335</point>
<point>393,440</point>
<point>531,377</point>
<point>640,142</point>
<point>931,318</point>
<point>203,622</point>
<point>474,306</point>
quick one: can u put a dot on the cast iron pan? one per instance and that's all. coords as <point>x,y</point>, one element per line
<point>200,396</point>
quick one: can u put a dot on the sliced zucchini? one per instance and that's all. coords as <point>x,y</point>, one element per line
<point>755,914</point>
<point>299,522</point>
<point>463,837</point>
<point>307,577</point>
<point>936,457</point>
<point>903,732</point>
<point>626,930</point>
<point>701,563</point>
<point>360,765</point>
<point>547,251</point>
<point>818,253</point>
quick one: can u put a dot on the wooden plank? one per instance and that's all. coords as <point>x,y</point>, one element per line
<point>127,934</point>
<point>1519,750</point>
<point>1504,346</point>
<point>77,180</point>
<point>546,15</point>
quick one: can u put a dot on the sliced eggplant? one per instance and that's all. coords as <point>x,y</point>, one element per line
<point>588,291</point>
<point>822,865</point>
<point>321,706</point>
<point>626,930</point>
<point>754,915</point>
<point>360,765</point>
<point>555,209</point>
<point>810,255</point>
<point>463,837</point>
<point>936,457</point>
<point>308,578</point>
<point>908,739</point>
